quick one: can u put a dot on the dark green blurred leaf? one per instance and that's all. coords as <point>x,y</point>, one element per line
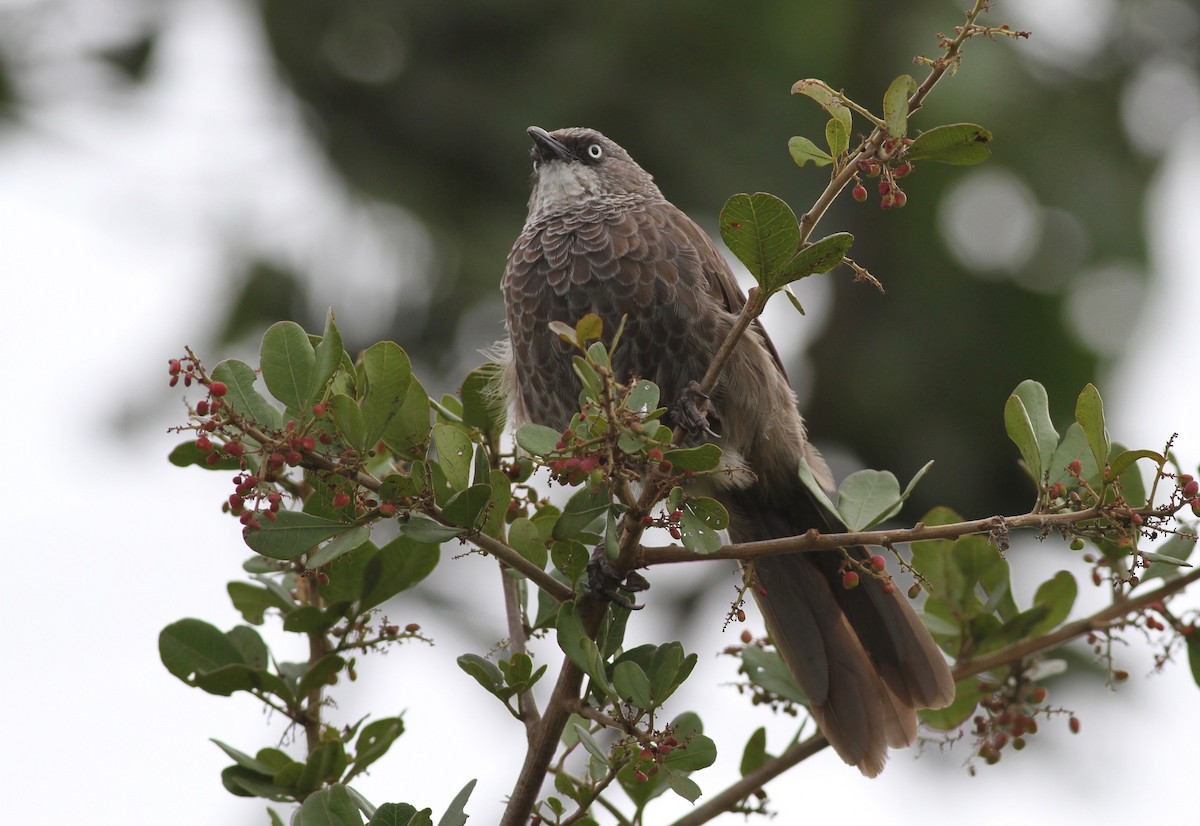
<point>398,566</point>
<point>1057,594</point>
<point>192,646</point>
<point>958,143</point>
<point>767,670</point>
<point>187,453</point>
<point>423,529</point>
<point>966,697</point>
<point>328,807</point>
<point>818,257</point>
<point>374,741</point>
<point>349,419</point>
<point>293,534</point>
<point>321,673</point>
<point>704,457</point>
<point>583,508</point>
<point>526,539</point>
<point>632,684</point>
<point>483,400</point>
<point>466,507</point>
<point>253,601</point>
<point>755,753</point>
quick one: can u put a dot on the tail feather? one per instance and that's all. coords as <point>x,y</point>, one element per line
<point>861,656</point>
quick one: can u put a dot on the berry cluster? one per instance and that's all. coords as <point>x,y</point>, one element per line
<point>651,753</point>
<point>889,167</point>
<point>670,521</point>
<point>1009,716</point>
<point>854,569</point>
<point>583,461</point>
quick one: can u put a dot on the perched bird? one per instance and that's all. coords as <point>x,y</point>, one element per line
<point>601,238</point>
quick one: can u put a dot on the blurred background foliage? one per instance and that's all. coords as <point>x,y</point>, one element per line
<point>1028,266</point>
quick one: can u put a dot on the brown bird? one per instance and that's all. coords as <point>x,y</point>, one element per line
<point>601,238</point>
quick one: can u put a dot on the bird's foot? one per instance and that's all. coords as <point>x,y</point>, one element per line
<point>691,411</point>
<point>605,583</point>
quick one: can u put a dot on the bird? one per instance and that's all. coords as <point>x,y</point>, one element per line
<point>599,237</point>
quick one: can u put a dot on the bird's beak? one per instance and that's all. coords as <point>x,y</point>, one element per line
<point>546,147</point>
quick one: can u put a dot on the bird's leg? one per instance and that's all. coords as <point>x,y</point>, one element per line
<point>691,412</point>
<point>606,583</point>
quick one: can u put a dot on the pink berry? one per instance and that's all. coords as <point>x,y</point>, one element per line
<point>341,500</point>
<point>850,580</point>
<point>859,193</point>
<point>218,388</point>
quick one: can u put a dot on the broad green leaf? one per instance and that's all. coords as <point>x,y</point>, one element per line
<point>755,753</point>
<point>401,814</point>
<point>820,92</point>
<point>1057,594</point>
<point>374,741</point>
<point>761,230</point>
<point>187,453</point>
<point>1126,459</point>
<point>466,508</point>
<point>309,619</point>
<point>252,601</point>
<point>632,684</point>
<point>570,558</point>
<point>966,697</point>
<point>484,672</point>
<point>239,377</point>
<point>483,402</point>
<point>570,633</point>
<point>682,785</point>
<point>288,363</point>
<point>423,529</point>
<point>1019,427</point>
<point>321,673</point>
<point>293,533</point>
<point>698,752</point>
<point>1074,445</point>
<point>583,508</point>
<point>818,257</point>
<point>342,544</point>
<point>895,105</point>
<point>408,431</point>
<point>388,373</point>
<point>1169,558</point>
<point>668,670</point>
<point>867,497</point>
<point>327,356</point>
<point>348,417</point>
<point>767,670</point>
<point>244,760</point>
<point>702,518</point>
<point>455,814</point>
<point>1037,408</point>
<point>805,151</point>
<point>1089,413</point>
<point>398,566</point>
<point>837,135</point>
<point>538,439</point>
<point>958,143</point>
<point>328,807</point>
<point>589,328</point>
<point>453,454</point>
<point>701,458</point>
<point>246,783</point>
<point>643,395</point>
<point>250,645</point>
<point>191,646</point>
<point>585,739</point>
<point>525,538</point>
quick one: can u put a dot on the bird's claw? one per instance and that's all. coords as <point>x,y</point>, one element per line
<point>605,583</point>
<point>692,409</point>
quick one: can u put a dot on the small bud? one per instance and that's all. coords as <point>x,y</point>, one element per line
<point>654,454</point>
<point>1120,676</point>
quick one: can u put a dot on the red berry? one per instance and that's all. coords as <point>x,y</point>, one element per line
<point>235,448</point>
<point>647,520</point>
<point>914,590</point>
<point>878,562</point>
<point>212,459</point>
<point>173,366</point>
<point>293,458</point>
<point>174,381</point>
<point>1075,467</point>
<point>1196,506</point>
<point>655,454</point>
<point>887,201</point>
<point>1135,518</point>
<point>218,388</point>
<point>1191,488</point>
<point>387,509</point>
<point>1184,478</point>
<point>747,637</point>
<point>850,580</point>
<point>885,186</point>
<point>900,199</point>
<point>1038,695</point>
<point>341,500</point>
<point>202,407</point>
<point>741,615</point>
<point>1073,724</point>
<point>308,443</point>
<point>665,466</point>
<point>561,444</point>
<point>675,534</point>
<point>640,776</point>
<point>204,445</point>
<point>676,515</point>
<point>319,409</point>
<point>902,170</point>
<point>859,193</point>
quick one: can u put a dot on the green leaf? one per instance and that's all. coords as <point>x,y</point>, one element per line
<point>1018,424</point>
<point>1057,594</point>
<point>190,647</point>
<point>400,814</point>
<point>483,401</point>
<point>966,697</point>
<point>701,458</point>
<point>632,684</point>
<point>537,439</point>
<point>570,558</point>
<point>374,741</point>
<point>755,753</point>
<point>1089,413</point>
<point>348,417</point>
<point>288,363</point>
<point>867,497</point>
<point>388,372</point>
<point>1124,460</point>
<point>408,431</point>
<point>702,518</point>
<point>837,135</point>
<point>682,785</point>
<point>349,541</point>
<point>761,230</point>
<point>239,377</point>
<point>589,328</point>
<point>1177,550</point>
<point>525,538</point>
<point>327,357</point>
<point>453,454</point>
<point>820,92</point>
<point>292,534</point>
<point>1033,397</point>
<point>328,807</point>
<point>583,508</point>
<point>767,670</point>
<point>570,633</point>
<point>818,257</point>
<point>246,783</point>
<point>244,760</point>
<point>423,529</point>
<point>698,752</point>
<point>643,396</point>
<point>466,508</point>
<point>309,619</point>
<point>187,453</point>
<point>1193,651</point>
<point>455,814</point>
<point>321,673</point>
<point>958,143</point>
<point>252,601</point>
<point>805,151</point>
<point>484,672</point>
<point>398,566</point>
<point>895,105</point>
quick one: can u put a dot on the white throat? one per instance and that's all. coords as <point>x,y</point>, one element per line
<point>560,187</point>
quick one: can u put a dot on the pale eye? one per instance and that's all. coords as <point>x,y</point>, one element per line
<point>595,151</point>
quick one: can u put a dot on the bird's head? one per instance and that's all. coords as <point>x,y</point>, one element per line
<point>574,166</point>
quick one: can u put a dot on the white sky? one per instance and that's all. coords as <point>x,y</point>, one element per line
<point>113,209</point>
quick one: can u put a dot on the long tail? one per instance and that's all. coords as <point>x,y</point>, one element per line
<point>861,656</point>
